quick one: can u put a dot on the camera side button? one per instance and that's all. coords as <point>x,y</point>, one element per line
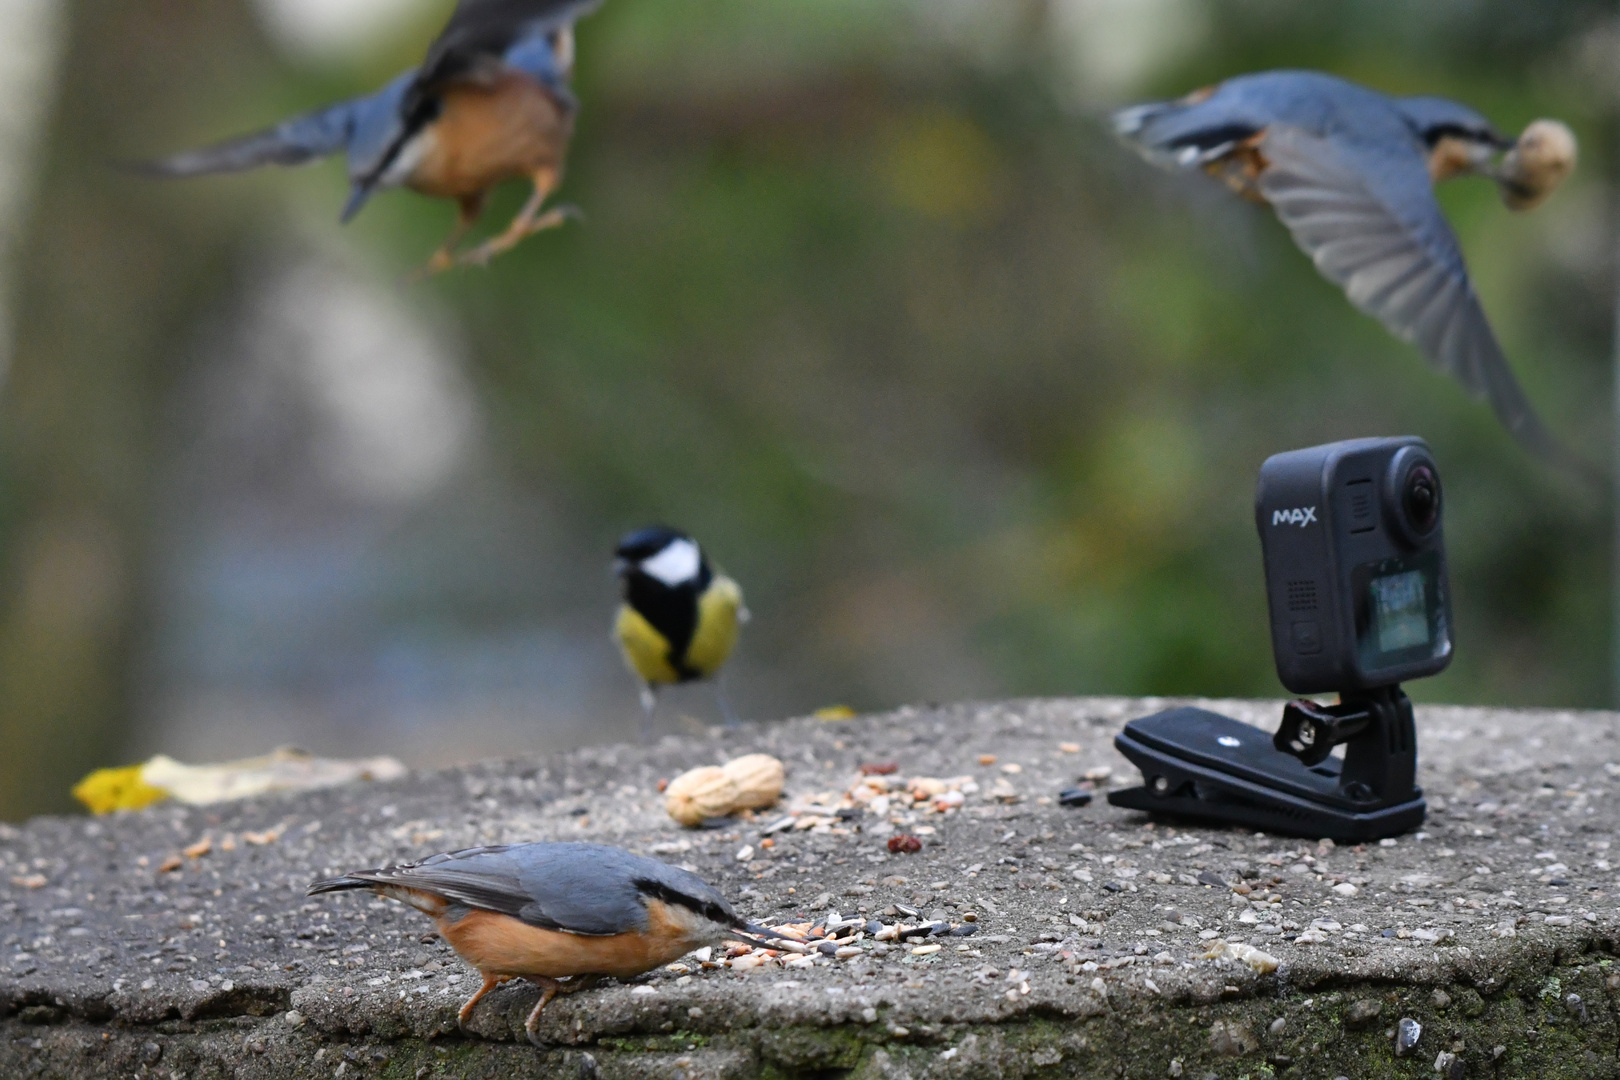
<point>1307,638</point>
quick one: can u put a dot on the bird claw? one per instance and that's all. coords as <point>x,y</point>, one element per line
<point>577,983</point>
<point>442,260</point>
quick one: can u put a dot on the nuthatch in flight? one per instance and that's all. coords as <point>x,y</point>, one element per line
<point>546,912</point>
<point>491,102</point>
<point>679,619</point>
<point>1351,173</point>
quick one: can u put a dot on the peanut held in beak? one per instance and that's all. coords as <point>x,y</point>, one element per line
<point>1542,159</point>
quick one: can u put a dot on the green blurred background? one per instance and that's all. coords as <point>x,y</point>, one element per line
<point>968,398</point>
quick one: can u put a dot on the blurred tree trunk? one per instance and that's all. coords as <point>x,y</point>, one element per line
<point>113,271</point>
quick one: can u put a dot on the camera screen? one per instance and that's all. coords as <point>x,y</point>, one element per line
<point>1400,612</point>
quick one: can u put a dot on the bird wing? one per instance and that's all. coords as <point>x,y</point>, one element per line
<point>486,878</point>
<point>480,29</point>
<point>292,142</point>
<point>361,126</point>
<point>377,124</point>
<point>594,885</point>
<point>1370,223</point>
<point>537,57</point>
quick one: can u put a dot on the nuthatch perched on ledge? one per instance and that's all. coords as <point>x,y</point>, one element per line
<point>545,912</point>
<point>491,102</point>
<point>1351,172</point>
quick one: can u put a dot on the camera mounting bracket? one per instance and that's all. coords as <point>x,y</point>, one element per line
<point>1201,765</point>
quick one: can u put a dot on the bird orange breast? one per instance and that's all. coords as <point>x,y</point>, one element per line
<point>501,945</point>
<point>491,132</point>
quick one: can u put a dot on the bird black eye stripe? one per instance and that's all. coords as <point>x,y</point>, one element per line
<point>709,910</point>
<point>1433,135</point>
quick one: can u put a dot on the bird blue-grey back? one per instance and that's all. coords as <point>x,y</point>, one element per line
<point>491,102</point>
<point>582,888</point>
<point>1351,173</point>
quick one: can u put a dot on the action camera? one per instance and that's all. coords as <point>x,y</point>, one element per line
<point>1355,567</point>
<point>1355,564</point>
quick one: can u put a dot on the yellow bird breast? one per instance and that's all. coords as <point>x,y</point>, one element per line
<point>644,648</point>
<point>648,653</point>
<point>719,616</point>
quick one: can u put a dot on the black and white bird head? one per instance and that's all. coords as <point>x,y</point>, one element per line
<point>661,559</point>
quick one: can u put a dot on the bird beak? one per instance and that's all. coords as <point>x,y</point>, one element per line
<point>1455,156</point>
<point>622,566</point>
<point>1541,159</point>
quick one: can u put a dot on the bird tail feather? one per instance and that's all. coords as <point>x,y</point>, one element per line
<point>339,884</point>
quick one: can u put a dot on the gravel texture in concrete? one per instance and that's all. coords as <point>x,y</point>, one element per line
<point>178,942</point>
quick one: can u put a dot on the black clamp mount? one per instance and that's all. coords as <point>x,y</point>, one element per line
<point>1202,765</point>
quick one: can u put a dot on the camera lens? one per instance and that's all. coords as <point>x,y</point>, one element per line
<point>1420,498</point>
<point>1412,497</point>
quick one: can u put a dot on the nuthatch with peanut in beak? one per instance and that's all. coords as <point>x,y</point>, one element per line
<point>547,912</point>
<point>1351,173</point>
<point>491,102</point>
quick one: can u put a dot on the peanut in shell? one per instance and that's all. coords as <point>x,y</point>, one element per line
<point>745,783</point>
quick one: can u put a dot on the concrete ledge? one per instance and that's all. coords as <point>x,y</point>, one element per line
<point>1493,930</point>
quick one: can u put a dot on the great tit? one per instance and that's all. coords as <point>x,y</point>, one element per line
<point>679,618</point>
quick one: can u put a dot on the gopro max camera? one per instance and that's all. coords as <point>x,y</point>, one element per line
<point>1356,579</point>
<point>1355,564</point>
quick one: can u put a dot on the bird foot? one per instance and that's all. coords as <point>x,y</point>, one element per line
<point>549,988</point>
<point>577,983</point>
<point>442,260</point>
<point>649,704</point>
<point>465,1012</point>
<point>519,231</point>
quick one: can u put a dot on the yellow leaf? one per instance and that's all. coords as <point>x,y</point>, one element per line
<point>106,790</point>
